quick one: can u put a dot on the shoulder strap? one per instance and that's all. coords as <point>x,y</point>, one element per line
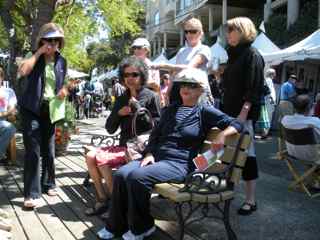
<point>139,111</point>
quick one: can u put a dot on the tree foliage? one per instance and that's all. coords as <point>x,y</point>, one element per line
<point>304,26</point>
<point>20,21</point>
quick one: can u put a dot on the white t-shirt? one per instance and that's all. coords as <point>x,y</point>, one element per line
<point>187,53</point>
<point>7,99</point>
<point>299,121</point>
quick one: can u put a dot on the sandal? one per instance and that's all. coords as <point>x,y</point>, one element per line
<point>52,192</point>
<point>97,209</point>
<point>30,202</point>
<point>247,208</point>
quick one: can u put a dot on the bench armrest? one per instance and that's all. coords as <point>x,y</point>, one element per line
<point>211,181</point>
<point>108,140</point>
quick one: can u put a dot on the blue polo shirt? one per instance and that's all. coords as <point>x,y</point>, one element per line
<point>287,91</point>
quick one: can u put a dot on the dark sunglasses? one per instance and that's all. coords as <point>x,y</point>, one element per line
<point>131,74</point>
<point>137,47</point>
<point>50,40</point>
<point>189,85</point>
<point>191,31</point>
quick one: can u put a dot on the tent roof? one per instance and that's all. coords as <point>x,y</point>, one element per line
<point>160,59</point>
<point>264,44</point>
<point>307,48</point>
<point>218,52</point>
<point>76,74</point>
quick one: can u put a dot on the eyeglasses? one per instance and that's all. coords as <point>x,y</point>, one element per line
<point>189,85</point>
<point>131,74</point>
<point>191,31</point>
<point>50,40</point>
<point>137,47</point>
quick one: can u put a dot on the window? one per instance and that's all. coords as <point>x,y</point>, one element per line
<point>157,18</point>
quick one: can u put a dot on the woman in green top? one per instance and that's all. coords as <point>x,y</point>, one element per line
<point>45,71</point>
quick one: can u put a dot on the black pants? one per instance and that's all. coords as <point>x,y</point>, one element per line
<point>130,202</point>
<point>38,139</point>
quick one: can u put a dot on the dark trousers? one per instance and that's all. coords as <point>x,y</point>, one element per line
<point>38,139</point>
<point>130,202</point>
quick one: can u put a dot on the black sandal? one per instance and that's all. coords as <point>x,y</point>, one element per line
<point>97,209</point>
<point>244,210</point>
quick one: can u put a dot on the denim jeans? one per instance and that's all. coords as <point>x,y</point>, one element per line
<point>7,130</point>
<point>38,139</point>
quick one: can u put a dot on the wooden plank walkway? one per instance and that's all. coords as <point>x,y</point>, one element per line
<point>62,216</point>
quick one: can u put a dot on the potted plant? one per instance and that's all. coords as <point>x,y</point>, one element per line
<point>64,129</point>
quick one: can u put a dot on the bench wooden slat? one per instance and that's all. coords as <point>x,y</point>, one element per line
<point>228,153</point>
<point>231,140</point>
<point>171,191</point>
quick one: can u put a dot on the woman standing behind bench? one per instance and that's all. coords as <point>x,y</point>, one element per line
<point>173,143</point>
<point>134,73</point>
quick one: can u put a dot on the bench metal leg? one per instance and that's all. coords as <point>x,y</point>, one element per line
<point>226,220</point>
<point>86,180</point>
<point>181,221</point>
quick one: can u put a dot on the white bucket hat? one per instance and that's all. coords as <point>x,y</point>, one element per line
<point>192,75</point>
<point>54,34</point>
<point>141,42</point>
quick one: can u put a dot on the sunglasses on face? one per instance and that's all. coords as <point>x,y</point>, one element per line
<point>189,85</point>
<point>137,47</point>
<point>131,74</point>
<point>51,40</point>
<point>231,29</point>
<point>191,31</point>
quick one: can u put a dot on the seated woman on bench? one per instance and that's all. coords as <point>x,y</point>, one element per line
<point>134,73</point>
<point>172,145</point>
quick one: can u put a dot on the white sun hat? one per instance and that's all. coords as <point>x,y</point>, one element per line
<point>54,34</point>
<point>192,75</point>
<point>141,42</point>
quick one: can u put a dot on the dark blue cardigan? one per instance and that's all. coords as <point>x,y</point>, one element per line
<point>31,98</point>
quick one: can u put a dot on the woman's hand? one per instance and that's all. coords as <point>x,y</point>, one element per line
<point>63,92</point>
<point>244,112</point>
<point>148,159</point>
<point>124,111</point>
<point>218,142</point>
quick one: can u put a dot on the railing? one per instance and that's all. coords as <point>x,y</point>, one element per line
<point>186,8</point>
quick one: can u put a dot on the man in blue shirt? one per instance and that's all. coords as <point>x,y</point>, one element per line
<point>287,91</point>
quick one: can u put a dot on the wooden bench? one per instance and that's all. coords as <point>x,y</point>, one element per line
<point>203,189</point>
<point>211,188</point>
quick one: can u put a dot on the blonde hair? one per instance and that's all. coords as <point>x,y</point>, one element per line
<point>244,26</point>
<point>47,28</point>
<point>193,23</point>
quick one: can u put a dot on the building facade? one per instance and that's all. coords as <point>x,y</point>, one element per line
<point>165,17</point>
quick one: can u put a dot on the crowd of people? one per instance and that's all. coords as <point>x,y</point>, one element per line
<point>176,104</point>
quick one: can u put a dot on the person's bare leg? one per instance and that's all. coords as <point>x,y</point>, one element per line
<point>106,172</point>
<point>95,175</point>
<point>250,191</point>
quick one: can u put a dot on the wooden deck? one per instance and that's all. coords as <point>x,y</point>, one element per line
<point>62,216</point>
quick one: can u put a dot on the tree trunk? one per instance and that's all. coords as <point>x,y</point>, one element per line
<point>44,14</point>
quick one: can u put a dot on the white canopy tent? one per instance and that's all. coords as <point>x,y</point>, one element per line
<point>308,48</point>
<point>173,60</point>
<point>160,59</point>
<point>76,74</point>
<point>218,55</point>
<point>264,45</point>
